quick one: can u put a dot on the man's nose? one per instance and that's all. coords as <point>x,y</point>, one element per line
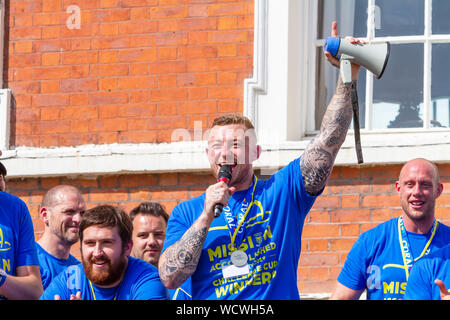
<point>226,153</point>
<point>417,189</point>
<point>76,218</point>
<point>151,241</point>
<point>98,250</point>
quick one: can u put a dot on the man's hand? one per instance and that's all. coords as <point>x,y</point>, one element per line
<point>217,193</point>
<point>333,60</point>
<point>76,296</point>
<point>318,159</point>
<point>72,296</point>
<point>445,295</point>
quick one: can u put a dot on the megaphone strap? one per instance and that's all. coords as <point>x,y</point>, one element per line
<point>356,128</point>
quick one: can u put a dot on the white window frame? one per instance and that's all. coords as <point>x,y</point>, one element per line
<point>428,39</point>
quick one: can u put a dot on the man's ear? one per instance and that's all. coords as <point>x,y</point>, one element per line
<point>258,151</point>
<point>128,248</point>
<point>440,188</point>
<point>397,186</point>
<point>43,213</point>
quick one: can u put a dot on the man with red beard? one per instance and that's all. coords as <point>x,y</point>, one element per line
<point>107,271</point>
<point>381,259</point>
<point>61,211</point>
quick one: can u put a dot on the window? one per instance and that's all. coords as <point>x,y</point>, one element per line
<point>403,115</point>
<point>414,92</point>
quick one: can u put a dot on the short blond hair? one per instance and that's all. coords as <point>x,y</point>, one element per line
<point>233,118</point>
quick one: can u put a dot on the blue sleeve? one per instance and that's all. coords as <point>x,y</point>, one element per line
<point>183,292</point>
<point>304,200</point>
<point>27,253</point>
<point>57,286</point>
<point>68,282</point>
<point>44,277</point>
<point>419,286</point>
<point>353,274</point>
<point>290,185</point>
<point>149,287</point>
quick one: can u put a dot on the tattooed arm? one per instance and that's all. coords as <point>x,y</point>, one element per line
<point>318,159</point>
<point>179,261</point>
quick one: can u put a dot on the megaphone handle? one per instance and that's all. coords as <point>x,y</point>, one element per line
<point>356,128</point>
<point>346,70</point>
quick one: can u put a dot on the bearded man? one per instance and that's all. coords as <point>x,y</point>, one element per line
<point>107,271</point>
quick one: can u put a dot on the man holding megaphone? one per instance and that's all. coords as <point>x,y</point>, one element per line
<point>250,246</point>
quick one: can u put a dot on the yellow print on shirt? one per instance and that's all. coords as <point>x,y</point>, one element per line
<point>256,277</point>
<point>263,266</point>
<point>4,245</point>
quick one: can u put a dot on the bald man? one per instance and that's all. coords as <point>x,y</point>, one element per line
<point>61,211</point>
<point>381,259</point>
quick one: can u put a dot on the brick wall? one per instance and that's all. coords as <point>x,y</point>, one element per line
<point>354,201</point>
<point>134,71</point>
<point>138,69</point>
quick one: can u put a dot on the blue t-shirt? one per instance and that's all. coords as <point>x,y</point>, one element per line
<point>141,282</point>
<point>271,239</point>
<point>375,261</point>
<point>183,292</point>
<point>421,284</point>
<point>50,266</point>
<point>16,235</point>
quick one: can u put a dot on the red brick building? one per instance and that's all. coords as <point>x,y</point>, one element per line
<point>114,97</point>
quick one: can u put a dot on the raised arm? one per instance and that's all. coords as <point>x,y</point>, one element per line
<point>318,159</point>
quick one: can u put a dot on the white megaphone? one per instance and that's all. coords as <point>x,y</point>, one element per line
<point>373,57</point>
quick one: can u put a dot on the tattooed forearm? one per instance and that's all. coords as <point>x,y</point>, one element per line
<point>315,168</point>
<point>317,161</point>
<point>180,260</point>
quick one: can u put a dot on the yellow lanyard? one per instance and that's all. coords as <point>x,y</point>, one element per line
<point>405,243</point>
<point>233,236</point>
<point>93,294</point>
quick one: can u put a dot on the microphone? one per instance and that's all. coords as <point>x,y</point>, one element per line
<point>225,176</point>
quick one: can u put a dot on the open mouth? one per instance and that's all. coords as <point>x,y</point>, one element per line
<point>99,263</point>
<point>232,165</point>
<point>416,204</point>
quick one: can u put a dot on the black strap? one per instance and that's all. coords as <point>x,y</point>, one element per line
<point>355,106</point>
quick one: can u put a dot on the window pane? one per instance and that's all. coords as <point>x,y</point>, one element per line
<point>440,16</point>
<point>399,18</point>
<point>398,95</point>
<point>326,80</point>
<point>440,87</point>
<point>351,16</point>
<point>361,89</point>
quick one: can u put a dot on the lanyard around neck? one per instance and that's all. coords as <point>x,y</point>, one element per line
<point>405,247</point>
<point>234,234</point>
<point>93,293</point>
